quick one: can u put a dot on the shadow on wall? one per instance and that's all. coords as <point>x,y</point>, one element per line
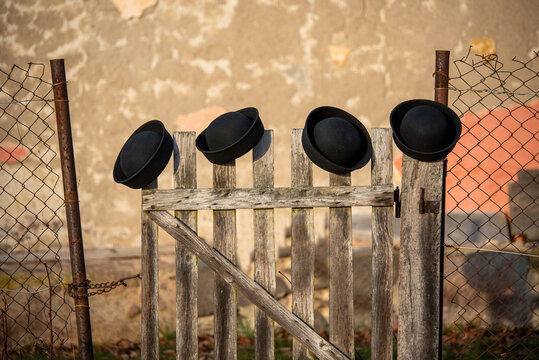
<point>497,290</point>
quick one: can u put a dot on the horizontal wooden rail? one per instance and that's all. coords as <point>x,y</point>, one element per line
<point>264,198</point>
<point>257,294</point>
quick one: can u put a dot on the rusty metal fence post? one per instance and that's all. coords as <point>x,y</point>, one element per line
<point>441,84</point>
<point>76,249</point>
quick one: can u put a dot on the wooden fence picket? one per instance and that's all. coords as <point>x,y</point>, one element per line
<point>149,347</point>
<point>186,263</point>
<point>224,240</point>
<point>382,250</point>
<point>302,244</point>
<point>341,284</point>
<point>263,177</point>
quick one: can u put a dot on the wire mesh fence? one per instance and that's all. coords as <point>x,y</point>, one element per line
<point>34,308</point>
<point>492,236</point>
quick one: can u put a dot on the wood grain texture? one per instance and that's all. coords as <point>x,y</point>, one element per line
<point>302,245</point>
<point>149,346</point>
<point>382,249</point>
<point>224,240</point>
<point>186,261</point>
<point>419,262</point>
<point>263,177</point>
<point>253,291</point>
<point>341,285</point>
<point>264,198</point>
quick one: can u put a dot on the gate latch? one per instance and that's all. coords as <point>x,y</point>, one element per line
<point>426,206</point>
<point>397,201</point>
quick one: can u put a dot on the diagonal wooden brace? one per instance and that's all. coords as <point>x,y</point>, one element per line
<point>257,294</point>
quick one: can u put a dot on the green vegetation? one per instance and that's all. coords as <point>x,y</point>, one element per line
<point>468,343</point>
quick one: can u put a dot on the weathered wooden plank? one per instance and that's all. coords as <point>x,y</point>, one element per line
<point>302,245</point>
<point>341,285</point>
<point>253,291</point>
<point>263,177</point>
<point>186,261</point>
<point>382,249</point>
<point>149,334</point>
<point>224,240</point>
<point>419,261</point>
<point>264,198</point>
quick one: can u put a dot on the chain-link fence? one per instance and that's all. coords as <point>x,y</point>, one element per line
<point>34,308</point>
<point>492,236</point>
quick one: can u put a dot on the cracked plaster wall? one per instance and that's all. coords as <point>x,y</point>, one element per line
<point>186,62</point>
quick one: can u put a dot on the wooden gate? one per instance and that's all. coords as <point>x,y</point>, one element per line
<point>301,197</point>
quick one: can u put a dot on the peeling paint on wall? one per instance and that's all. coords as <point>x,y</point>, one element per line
<point>463,7</point>
<point>184,62</point>
<point>339,54</point>
<point>483,46</point>
<point>209,66</point>
<point>198,120</point>
<point>12,153</point>
<point>133,8</point>
<point>215,91</point>
<point>429,4</point>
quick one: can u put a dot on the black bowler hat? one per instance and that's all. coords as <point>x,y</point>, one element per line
<point>144,155</point>
<point>231,135</point>
<point>424,129</point>
<point>335,140</point>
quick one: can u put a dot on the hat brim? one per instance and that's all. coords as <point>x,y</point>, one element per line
<point>395,120</point>
<point>233,151</point>
<point>156,163</point>
<point>316,155</point>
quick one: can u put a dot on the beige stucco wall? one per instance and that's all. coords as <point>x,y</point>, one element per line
<point>185,62</point>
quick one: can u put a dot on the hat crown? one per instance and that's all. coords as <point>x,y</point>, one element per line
<point>335,140</point>
<point>338,140</point>
<point>138,150</point>
<point>226,130</point>
<point>230,135</point>
<point>425,128</point>
<point>144,155</point>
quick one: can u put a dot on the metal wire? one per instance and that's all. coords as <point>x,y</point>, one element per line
<point>489,91</point>
<point>32,311</point>
<point>493,208</point>
<point>492,250</point>
<point>23,101</point>
<point>32,292</point>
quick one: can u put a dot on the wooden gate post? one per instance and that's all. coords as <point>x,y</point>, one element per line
<point>421,233</point>
<point>419,263</point>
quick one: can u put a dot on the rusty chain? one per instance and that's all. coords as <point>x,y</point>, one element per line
<point>74,290</point>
